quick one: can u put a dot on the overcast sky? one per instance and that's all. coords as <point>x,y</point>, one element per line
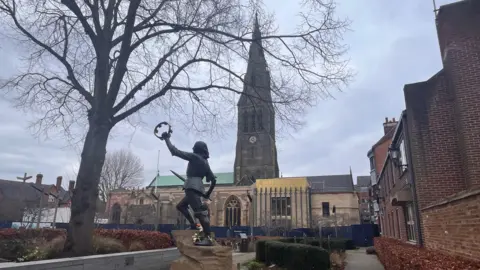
<point>391,44</point>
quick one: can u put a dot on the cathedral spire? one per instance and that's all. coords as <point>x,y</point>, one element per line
<point>256,36</point>
<point>257,77</point>
<point>256,29</point>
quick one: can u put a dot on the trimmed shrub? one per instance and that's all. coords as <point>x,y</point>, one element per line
<point>254,265</point>
<point>333,244</point>
<point>24,234</point>
<point>11,249</point>
<point>260,250</point>
<point>38,244</point>
<point>136,246</point>
<point>150,239</point>
<point>397,255</point>
<point>107,245</point>
<point>292,256</point>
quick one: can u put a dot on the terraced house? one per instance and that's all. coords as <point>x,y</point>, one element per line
<point>429,185</point>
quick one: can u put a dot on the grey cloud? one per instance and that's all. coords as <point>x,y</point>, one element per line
<point>391,44</point>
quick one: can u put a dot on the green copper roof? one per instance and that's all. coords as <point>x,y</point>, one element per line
<point>172,180</point>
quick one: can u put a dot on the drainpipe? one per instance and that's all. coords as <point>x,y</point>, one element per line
<point>411,176</point>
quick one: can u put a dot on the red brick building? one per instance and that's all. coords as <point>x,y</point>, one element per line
<point>396,191</point>
<point>434,162</point>
<point>365,202</point>
<point>376,156</point>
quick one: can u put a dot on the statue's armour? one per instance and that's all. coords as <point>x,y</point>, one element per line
<point>197,168</point>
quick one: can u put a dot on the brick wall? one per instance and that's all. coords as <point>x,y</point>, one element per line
<point>436,158</point>
<point>393,219</point>
<point>380,152</point>
<point>444,129</point>
<point>454,226</point>
<point>459,38</point>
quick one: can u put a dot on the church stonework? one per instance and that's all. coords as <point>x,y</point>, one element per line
<point>256,152</point>
<point>256,158</point>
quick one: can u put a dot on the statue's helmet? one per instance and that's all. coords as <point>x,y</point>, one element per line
<point>201,148</point>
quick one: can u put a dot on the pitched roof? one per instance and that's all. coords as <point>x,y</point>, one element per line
<point>363,181</point>
<point>331,183</point>
<point>29,192</point>
<point>172,180</point>
<point>385,137</point>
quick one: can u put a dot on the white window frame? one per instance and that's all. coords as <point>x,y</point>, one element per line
<point>410,223</point>
<point>403,155</point>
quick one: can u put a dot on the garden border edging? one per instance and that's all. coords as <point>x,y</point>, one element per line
<point>159,259</point>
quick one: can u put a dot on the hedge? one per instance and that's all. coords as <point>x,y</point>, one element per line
<point>150,239</point>
<point>292,256</point>
<point>25,234</point>
<point>332,244</point>
<point>397,255</point>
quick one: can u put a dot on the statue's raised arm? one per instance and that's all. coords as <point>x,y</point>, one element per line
<point>197,169</point>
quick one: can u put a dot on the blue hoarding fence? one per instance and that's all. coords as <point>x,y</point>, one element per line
<point>361,234</point>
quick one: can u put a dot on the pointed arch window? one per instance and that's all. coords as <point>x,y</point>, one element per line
<point>252,152</point>
<point>232,212</point>
<point>260,120</point>
<point>253,123</point>
<point>245,121</point>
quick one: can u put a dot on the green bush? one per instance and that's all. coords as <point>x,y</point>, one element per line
<point>260,250</point>
<point>333,244</point>
<point>254,265</point>
<point>293,256</point>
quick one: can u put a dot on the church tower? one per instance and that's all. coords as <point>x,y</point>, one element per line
<point>256,152</point>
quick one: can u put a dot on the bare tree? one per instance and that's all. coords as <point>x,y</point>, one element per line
<point>94,63</point>
<point>122,169</point>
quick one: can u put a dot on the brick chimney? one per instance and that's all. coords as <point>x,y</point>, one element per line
<point>71,185</point>
<point>59,182</point>
<point>389,125</point>
<point>39,178</point>
<point>459,39</point>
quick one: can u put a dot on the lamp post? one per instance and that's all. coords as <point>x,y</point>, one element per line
<point>250,199</point>
<point>334,211</point>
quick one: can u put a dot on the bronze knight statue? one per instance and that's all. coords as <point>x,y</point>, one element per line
<point>197,169</point>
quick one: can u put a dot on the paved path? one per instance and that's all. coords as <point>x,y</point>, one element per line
<point>360,260</point>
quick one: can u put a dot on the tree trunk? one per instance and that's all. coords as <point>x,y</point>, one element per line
<point>85,194</point>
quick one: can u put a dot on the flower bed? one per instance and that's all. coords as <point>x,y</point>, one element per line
<point>39,244</point>
<point>397,255</point>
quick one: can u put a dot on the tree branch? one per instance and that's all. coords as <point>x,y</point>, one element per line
<point>121,67</point>
<point>72,5</point>
<point>71,75</point>
<point>150,76</point>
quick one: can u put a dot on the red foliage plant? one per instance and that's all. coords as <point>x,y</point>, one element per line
<point>24,234</point>
<point>397,255</point>
<point>150,239</point>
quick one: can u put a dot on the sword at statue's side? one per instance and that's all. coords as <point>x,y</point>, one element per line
<point>206,196</point>
<point>179,176</point>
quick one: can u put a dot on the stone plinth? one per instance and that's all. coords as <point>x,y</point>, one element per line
<point>194,257</point>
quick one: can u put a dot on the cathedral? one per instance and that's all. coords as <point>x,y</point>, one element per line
<point>249,193</point>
